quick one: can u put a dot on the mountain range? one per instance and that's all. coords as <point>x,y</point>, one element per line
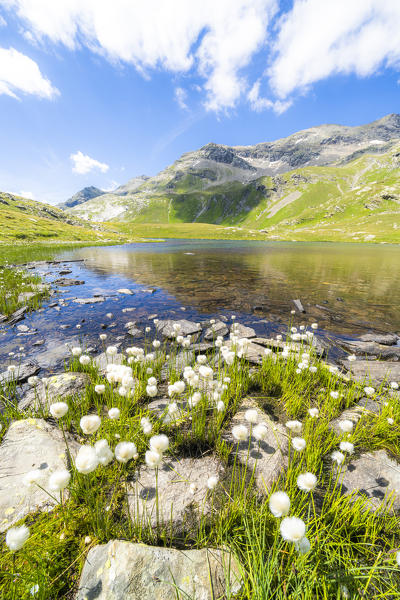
<point>325,176</point>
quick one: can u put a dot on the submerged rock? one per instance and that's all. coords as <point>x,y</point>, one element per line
<point>29,444</point>
<point>57,387</point>
<point>387,339</point>
<point>267,458</point>
<point>183,496</point>
<point>372,349</point>
<point>374,476</point>
<point>65,282</point>
<point>125,571</point>
<point>93,300</point>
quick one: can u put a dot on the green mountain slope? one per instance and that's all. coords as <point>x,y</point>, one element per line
<point>22,219</point>
<point>328,182</point>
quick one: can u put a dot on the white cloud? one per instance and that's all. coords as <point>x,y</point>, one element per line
<point>83,164</point>
<point>180,97</point>
<point>3,22</point>
<point>215,39</point>
<point>318,39</point>
<point>28,195</point>
<point>259,104</point>
<point>20,74</point>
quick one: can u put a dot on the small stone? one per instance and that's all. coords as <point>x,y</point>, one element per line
<point>125,291</point>
<point>218,328</point>
<point>242,331</point>
<point>187,328</point>
<point>93,300</point>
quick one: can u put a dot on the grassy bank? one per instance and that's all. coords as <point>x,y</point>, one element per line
<point>20,288</point>
<point>352,551</point>
<point>371,233</point>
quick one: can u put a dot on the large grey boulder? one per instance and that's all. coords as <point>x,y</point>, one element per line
<point>56,387</point>
<point>166,328</point>
<point>121,570</point>
<point>183,495</point>
<point>375,477</point>
<point>243,331</point>
<point>28,445</point>
<point>375,372</point>
<point>216,329</point>
<point>22,373</point>
<point>266,459</point>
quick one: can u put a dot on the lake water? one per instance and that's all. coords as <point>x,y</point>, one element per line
<point>347,288</point>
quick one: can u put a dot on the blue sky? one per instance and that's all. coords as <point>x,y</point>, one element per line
<point>95,92</point>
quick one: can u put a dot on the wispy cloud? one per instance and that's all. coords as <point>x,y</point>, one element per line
<point>19,74</point>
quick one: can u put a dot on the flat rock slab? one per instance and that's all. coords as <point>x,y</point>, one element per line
<point>372,349</point>
<point>373,476</point>
<point>125,291</point>
<point>29,444</point>
<point>187,328</point>
<point>93,300</point>
<point>375,372</point>
<point>254,354</point>
<point>388,339</point>
<point>21,373</point>
<point>57,387</point>
<point>366,406</point>
<point>25,296</point>
<point>216,329</point>
<point>178,363</point>
<point>242,331</point>
<point>268,458</point>
<point>121,570</point>
<point>179,508</point>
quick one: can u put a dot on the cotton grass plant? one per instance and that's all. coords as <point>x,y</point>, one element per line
<point>300,538</point>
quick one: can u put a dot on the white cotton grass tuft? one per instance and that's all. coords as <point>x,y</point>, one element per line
<point>124,451</point>
<point>114,413</point>
<point>279,504</point>
<point>58,409</point>
<point>251,416</point>
<point>292,529</point>
<point>307,482</point>
<point>84,359</point>
<point>313,412</point>
<point>398,557</point>
<point>104,453</point>
<point>33,478</point>
<point>347,447</point>
<point>16,537</point>
<point>337,457</point>
<point>346,426</point>
<point>153,459</point>
<point>240,433</point>
<point>299,443</point>
<point>260,432</point>
<point>369,391</point>
<point>159,443</point>
<point>212,482</point>
<point>59,480</point>
<point>100,388</point>
<point>86,460</point>
<point>76,351</point>
<point>294,426</point>
<point>90,424</point>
